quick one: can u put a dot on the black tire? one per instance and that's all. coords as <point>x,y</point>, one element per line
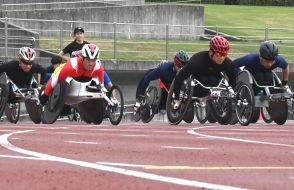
<point>221,109</point>
<point>82,109</point>
<point>245,103</point>
<point>176,116</point>
<point>4,91</point>
<point>152,100</point>
<point>210,119</point>
<point>12,112</point>
<point>92,111</point>
<point>201,112</point>
<point>189,115</point>
<point>255,115</point>
<point>115,112</point>
<point>280,116</point>
<point>33,110</point>
<point>51,111</point>
<point>265,115</point>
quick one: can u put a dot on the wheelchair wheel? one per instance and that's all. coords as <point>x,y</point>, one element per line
<point>116,112</point>
<point>82,109</point>
<point>92,110</point>
<point>265,115</point>
<point>33,110</point>
<point>189,115</point>
<point>255,115</point>
<point>3,97</point>
<point>152,100</point>
<point>280,116</point>
<point>201,112</point>
<point>12,112</point>
<point>210,119</point>
<point>51,111</point>
<point>175,116</point>
<point>245,103</point>
<point>221,109</point>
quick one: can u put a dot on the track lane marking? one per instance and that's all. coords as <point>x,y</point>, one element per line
<point>22,157</point>
<point>193,132</point>
<point>81,142</point>
<point>67,133</point>
<point>184,148</point>
<point>157,167</point>
<point>185,182</point>
<point>165,131</point>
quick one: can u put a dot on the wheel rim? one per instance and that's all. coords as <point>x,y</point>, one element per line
<point>116,110</point>
<point>244,105</point>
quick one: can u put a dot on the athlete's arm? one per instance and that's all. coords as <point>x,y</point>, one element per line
<point>66,71</point>
<point>150,76</point>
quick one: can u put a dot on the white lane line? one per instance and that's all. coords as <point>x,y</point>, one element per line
<point>6,144</point>
<point>291,178</point>
<point>81,142</point>
<point>232,133</point>
<point>185,148</point>
<point>67,133</point>
<point>165,131</point>
<point>193,132</point>
<point>21,157</point>
<point>5,130</point>
<point>134,135</point>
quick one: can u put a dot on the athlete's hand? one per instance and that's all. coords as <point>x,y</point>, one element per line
<point>287,89</point>
<point>43,99</point>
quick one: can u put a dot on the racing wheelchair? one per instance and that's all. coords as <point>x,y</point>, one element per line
<point>155,99</point>
<point>12,96</point>
<point>271,100</point>
<point>94,102</point>
<point>219,101</point>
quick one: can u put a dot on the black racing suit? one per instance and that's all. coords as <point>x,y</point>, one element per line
<point>18,76</point>
<point>204,69</point>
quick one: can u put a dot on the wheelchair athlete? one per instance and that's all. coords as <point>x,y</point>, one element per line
<point>207,67</point>
<point>21,71</point>
<point>260,65</point>
<point>85,66</point>
<point>166,71</point>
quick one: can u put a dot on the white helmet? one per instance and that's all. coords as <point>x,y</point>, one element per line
<point>27,55</point>
<point>90,51</point>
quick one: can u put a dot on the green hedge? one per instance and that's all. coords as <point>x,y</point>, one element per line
<point>240,2</point>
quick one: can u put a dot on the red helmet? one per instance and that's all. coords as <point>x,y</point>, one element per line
<point>219,44</point>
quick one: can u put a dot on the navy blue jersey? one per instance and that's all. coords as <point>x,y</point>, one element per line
<point>251,62</point>
<point>165,72</point>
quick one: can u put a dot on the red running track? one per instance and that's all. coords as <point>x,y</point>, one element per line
<point>138,156</point>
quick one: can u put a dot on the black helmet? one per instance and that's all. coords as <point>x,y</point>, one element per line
<point>268,50</point>
<point>181,58</point>
<point>56,59</point>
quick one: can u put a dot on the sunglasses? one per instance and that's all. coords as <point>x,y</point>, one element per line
<point>220,54</point>
<point>26,62</point>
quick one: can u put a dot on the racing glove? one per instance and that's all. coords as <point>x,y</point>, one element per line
<point>43,99</point>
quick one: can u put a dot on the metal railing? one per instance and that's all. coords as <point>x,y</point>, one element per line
<point>130,41</point>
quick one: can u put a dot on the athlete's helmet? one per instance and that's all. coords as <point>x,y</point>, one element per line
<point>268,50</point>
<point>27,55</point>
<point>219,44</point>
<point>181,58</point>
<point>90,51</point>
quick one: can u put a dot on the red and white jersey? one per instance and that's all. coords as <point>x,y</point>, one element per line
<point>74,68</point>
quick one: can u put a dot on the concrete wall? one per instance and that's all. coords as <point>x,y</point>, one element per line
<point>157,16</point>
<point>58,5</point>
